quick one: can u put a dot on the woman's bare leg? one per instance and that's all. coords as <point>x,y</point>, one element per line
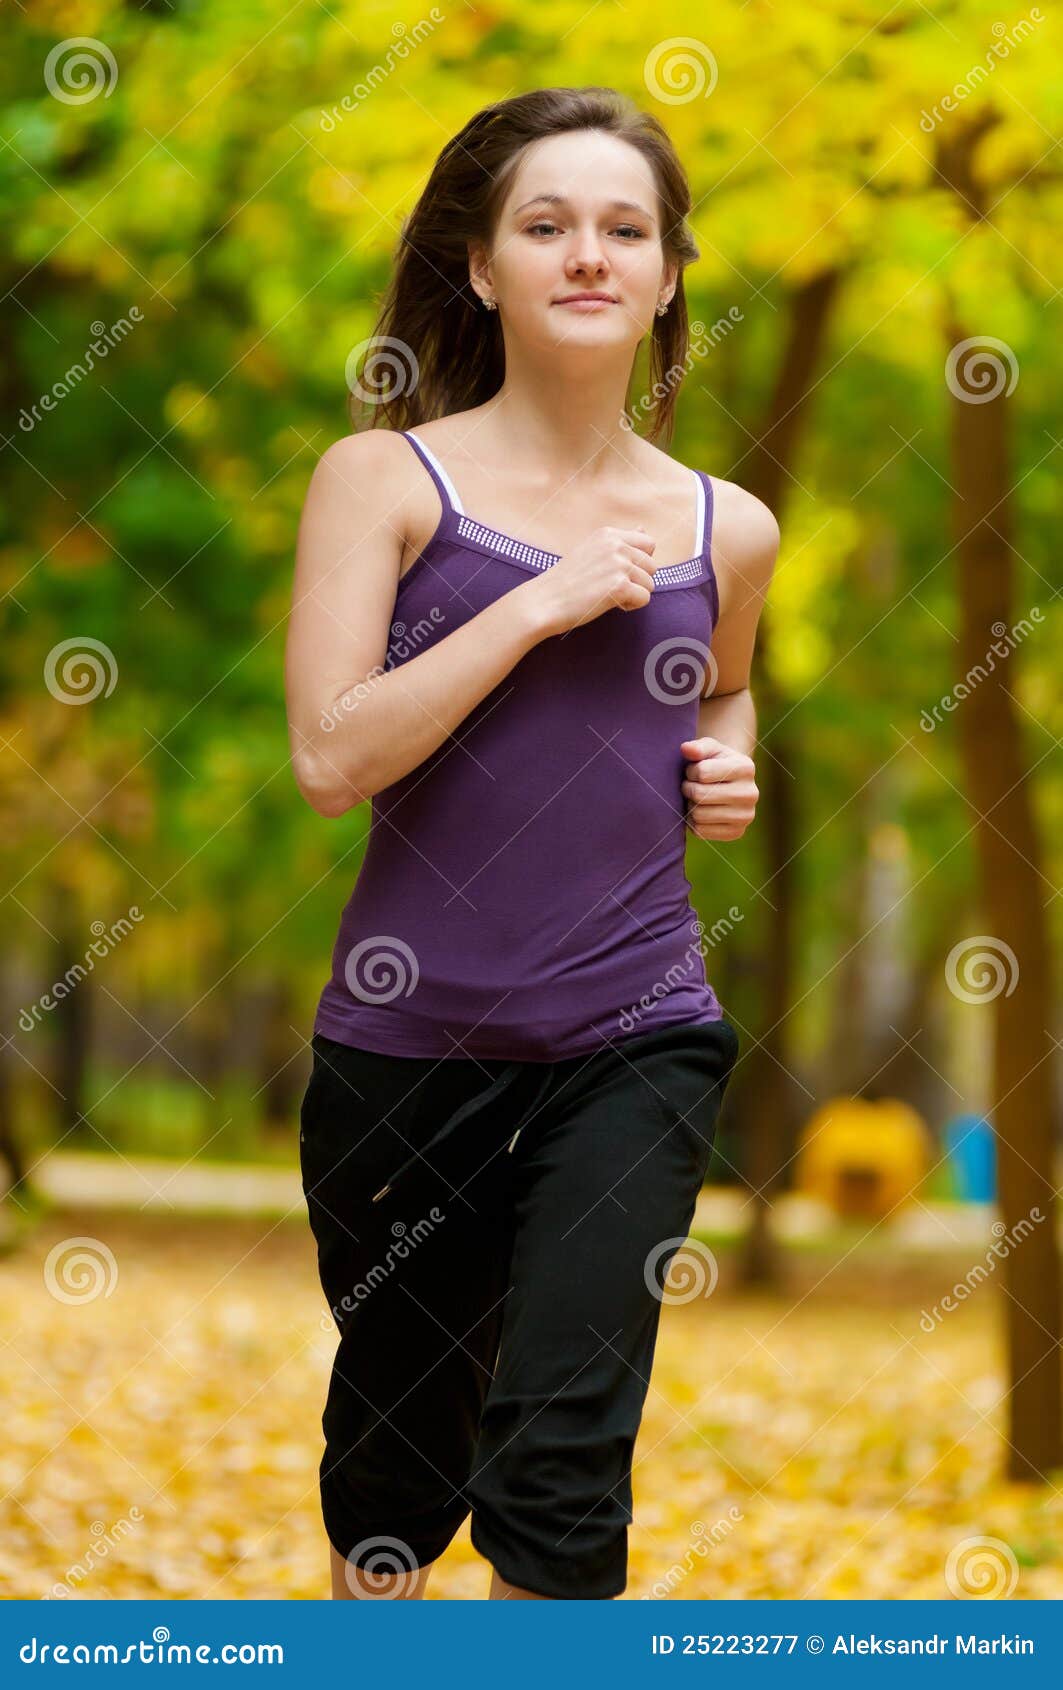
<point>357,1583</point>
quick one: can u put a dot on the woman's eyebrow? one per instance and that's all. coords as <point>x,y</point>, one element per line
<point>560,199</point>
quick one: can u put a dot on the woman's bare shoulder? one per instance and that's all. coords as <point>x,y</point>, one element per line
<point>745,537</point>
<point>374,475</point>
<point>372,451</point>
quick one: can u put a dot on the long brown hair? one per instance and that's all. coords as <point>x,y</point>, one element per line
<point>437,347</point>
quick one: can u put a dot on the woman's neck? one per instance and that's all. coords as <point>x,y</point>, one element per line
<point>569,421</point>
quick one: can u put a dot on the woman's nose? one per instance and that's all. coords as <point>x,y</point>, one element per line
<point>588,255</point>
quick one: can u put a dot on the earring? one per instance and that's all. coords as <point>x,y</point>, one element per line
<point>490,305</point>
<point>662,306</point>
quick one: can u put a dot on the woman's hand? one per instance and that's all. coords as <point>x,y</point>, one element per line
<point>720,788</point>
<point>611,569</point>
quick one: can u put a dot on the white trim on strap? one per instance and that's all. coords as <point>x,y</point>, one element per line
<point>452,492</point>
<point>701,515</point>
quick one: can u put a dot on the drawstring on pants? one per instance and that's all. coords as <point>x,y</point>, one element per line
<point>474,1106</point>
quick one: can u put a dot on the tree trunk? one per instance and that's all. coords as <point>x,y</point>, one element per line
<point>73,1023</point>
<point>12,1160</point>
<point>283,1065</point>
<point>1016,1008</point>
<point>769,1093</point>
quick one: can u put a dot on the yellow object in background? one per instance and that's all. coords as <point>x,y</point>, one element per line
<point>863,1158</point>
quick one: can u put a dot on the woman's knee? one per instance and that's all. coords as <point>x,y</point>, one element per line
<point>382,1580</point>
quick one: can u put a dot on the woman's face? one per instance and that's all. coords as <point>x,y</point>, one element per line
<point>581,215</point>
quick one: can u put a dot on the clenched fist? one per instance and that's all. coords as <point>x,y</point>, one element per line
<point>720,788</point>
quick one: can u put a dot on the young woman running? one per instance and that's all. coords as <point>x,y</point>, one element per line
<point>505,599</point>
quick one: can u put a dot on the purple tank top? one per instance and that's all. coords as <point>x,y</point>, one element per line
<point>523,893</point>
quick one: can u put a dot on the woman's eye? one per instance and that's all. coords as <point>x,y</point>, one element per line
<point>626,229</point>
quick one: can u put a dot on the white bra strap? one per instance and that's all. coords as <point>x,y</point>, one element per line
<point>452,492</point>
<point>701,515</point>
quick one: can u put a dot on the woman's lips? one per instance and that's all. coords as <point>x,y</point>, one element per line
<point>585,304</point>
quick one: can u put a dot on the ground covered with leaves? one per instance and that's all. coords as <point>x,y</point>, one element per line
<point>162,1436</point>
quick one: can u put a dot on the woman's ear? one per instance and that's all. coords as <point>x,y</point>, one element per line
<point>670,280</point>
<point>480,272</point>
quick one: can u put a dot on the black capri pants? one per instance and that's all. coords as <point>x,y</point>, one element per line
<point>493,1238</point>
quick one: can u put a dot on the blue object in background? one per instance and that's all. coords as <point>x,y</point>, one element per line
<point>972,1158</point>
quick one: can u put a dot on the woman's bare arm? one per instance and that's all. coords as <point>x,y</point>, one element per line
<point>745,545</point>
<point>353,727</point>
<point>720,784</point>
